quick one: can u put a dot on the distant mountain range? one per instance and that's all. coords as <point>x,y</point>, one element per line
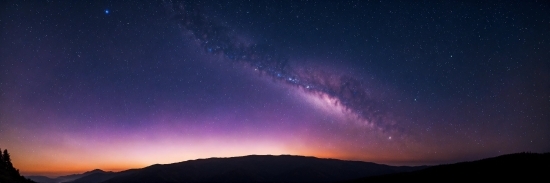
<point>256,168</point>
<point>67,178</point>
<point>253,168</point>
<point>287,168</point>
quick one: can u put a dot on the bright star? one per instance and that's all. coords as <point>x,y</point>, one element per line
<point>106,11</point>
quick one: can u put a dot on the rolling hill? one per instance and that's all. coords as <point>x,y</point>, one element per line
<point>523,167</point>
<point>529,167</point>
<point>253,168</point>
<point>67,178</point>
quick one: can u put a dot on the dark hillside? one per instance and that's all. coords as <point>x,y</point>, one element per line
<point>524,167</point>
<point>256,168</point>
<point>8,173</point>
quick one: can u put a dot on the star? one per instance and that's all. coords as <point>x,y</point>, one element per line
<point>107,11</point>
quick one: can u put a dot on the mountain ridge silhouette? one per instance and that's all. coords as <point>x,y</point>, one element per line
<point>523,167</point>
<point>291,168</point>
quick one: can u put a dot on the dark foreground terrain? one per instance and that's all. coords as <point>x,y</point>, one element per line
<point>254,168</point>
<point>257,169</point>
<point>525,167</point>
<point>521,167</point>
<point>8,173</point>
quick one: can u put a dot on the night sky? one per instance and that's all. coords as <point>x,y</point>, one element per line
<point>125,84</point>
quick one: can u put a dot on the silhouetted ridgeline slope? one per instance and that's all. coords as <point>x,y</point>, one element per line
<point>257,168</point>
<point>95,177</point>
<point>41,179</point>
<point>68,178</point>
<point>521,167</point>
<point>8,173</point>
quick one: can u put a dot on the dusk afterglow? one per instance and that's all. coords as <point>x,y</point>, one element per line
<point>118,85</point>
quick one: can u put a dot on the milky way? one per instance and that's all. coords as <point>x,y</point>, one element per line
<point>344,90</point>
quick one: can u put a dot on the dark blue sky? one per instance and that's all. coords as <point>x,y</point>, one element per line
<point>397,82</point>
